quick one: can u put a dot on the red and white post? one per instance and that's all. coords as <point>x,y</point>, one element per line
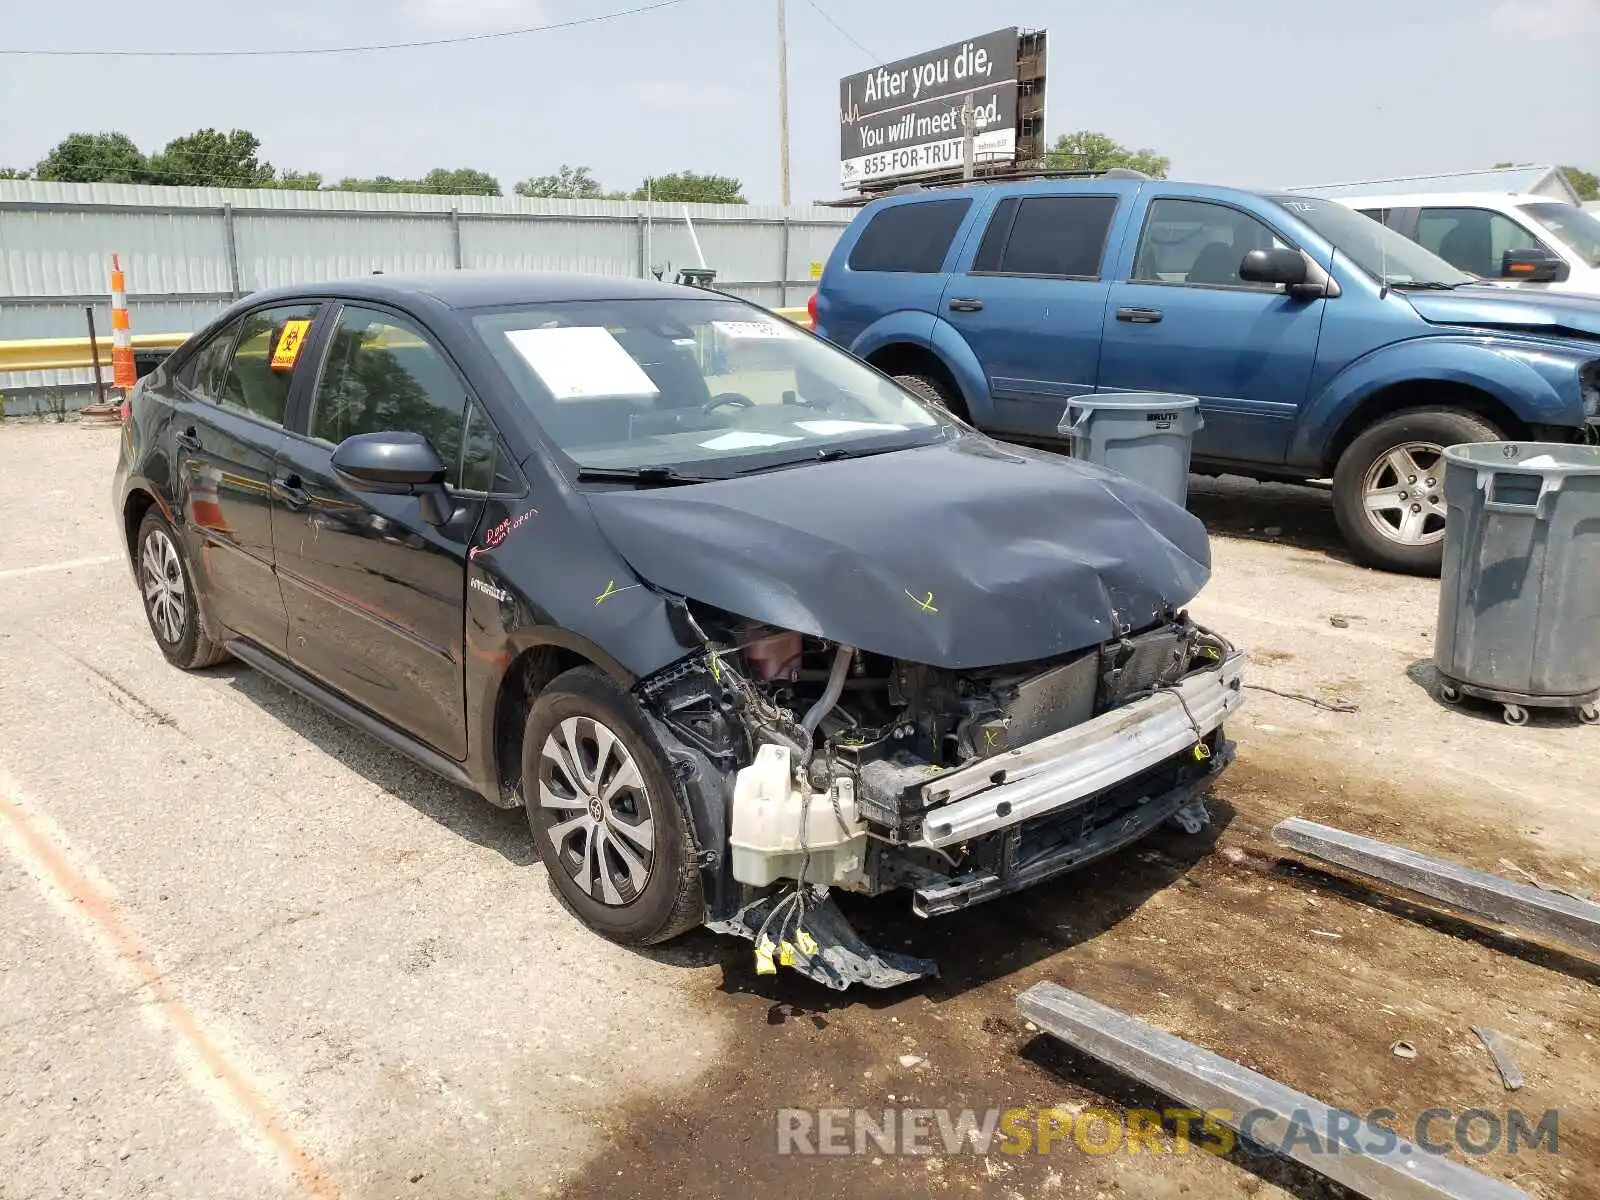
<point>123,372</point>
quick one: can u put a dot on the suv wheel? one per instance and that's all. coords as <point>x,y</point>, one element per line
<point>606,819</point>
<point>171,604</point>
<point>930,391</point>
<point>1388,489</point>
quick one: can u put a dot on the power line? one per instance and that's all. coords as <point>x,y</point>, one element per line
<point>845,33</point>
<point>302,50</point>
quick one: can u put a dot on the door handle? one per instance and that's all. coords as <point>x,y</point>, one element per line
<point>187,438</point>
<point>966,305</point>
<point>289,490</point>
<point>1139,316</point>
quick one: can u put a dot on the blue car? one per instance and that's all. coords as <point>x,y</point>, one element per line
<point>1318,341</point>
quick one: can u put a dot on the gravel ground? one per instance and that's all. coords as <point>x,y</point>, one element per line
<point>245,951</point>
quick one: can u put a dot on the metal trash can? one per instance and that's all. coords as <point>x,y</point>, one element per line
<point>1144,435</point>
<point>1519,597</point>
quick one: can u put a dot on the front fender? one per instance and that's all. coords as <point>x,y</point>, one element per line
<point>1526,379</point>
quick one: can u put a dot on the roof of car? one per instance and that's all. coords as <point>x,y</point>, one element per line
<point>1445,199</point>
<point>484,289</point>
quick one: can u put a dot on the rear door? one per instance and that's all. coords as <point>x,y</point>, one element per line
<point>230,401</point>
<point>1181,320</point>
<point>1032,302</point>
<point>375,593</point>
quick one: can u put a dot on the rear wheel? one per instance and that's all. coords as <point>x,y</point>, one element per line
<point>606,820</point>
<point>171,604</point>
<point>930,391</point>
<point>1388,489</point>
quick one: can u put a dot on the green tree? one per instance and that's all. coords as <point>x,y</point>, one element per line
<point>94,158</point>
<point>1089,151</point>
<point>569,183</point>
<point>463,181</point>
<point>1583,182</point>
<point>687,187</point>
<point>298,181</point>
<point>210,158</point>
<point>15,173</point>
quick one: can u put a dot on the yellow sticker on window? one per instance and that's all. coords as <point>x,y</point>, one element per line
<point>289,343</point>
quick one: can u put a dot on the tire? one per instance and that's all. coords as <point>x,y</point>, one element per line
<point>568,719</point>
<point>171,603</point>
<point>1398,463</point>
<point>931,392</point>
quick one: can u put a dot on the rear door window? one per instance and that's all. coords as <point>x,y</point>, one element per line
<point>1062,237</point>
<point>203,373</point>
<point>265,359</point>
<point>909,237</point>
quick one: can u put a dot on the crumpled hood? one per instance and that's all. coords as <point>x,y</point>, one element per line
<point>1538,312</point>
<point>957,555</point>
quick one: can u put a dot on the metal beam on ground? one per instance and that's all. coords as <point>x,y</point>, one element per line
<point>1537,910</point>
<point>1332,1142</point>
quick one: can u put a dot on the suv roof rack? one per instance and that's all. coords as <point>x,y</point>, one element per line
<point>1007,175</point>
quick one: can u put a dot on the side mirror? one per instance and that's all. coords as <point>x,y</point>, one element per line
<point>1534,265</point>
<point>1283,266</point>
<point>397,464</point>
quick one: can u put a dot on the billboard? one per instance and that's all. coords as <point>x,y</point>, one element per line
<point>904,118</point>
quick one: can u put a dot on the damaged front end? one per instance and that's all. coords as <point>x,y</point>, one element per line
<point>818,766</point>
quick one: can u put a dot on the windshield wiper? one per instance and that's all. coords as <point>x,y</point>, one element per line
<point>1431,285</point>
<point>653,476</point>
<point>826,454</point>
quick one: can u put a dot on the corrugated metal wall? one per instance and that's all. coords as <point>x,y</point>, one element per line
<point>188,252</point>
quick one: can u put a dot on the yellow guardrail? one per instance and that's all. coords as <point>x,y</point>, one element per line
<point>65,354</point>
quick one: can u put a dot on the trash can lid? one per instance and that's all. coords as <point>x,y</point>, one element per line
<point>1542,458</point>
<point>1136,401</point>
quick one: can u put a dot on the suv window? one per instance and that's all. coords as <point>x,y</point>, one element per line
<point>383,373</point>
<point>202,374</point>
<point>264,361</point>
<point>1472,239</point>
<point>1062,236</point>
<point>909,237</point>
<point>1200,242</point>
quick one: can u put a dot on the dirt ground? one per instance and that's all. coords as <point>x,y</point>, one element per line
<point>379,960</point>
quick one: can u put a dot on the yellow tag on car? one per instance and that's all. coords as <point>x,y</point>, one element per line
<point>290,340</point>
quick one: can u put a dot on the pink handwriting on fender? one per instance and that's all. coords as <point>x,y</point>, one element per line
<point>501,532</point>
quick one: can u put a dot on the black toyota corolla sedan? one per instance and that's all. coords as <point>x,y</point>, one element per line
<point>738,619</point>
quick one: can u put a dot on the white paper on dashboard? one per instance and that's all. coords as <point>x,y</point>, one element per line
<point>754,330</point>
<point>745,441</point>
<point>830,428</point>
<point>577,362</point>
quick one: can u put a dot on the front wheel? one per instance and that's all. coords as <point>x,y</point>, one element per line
<point>606,820</point>
<point>1388,489</point>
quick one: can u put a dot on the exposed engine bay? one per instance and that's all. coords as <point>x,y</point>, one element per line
<point>855,771</point>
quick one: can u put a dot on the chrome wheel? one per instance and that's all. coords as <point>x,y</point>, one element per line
<point>165,597</point>
<point>1403,494</point>
<point>602,826</point>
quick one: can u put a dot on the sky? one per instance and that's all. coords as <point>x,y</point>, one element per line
<point>1248,92</point>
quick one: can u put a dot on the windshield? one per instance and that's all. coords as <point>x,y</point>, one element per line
<point>1376,249</point>
<point>1574,227</point>
<point>711,386</point>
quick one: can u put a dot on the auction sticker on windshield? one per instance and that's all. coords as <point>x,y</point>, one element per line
<point>579,362</point>
<point>751,330</point>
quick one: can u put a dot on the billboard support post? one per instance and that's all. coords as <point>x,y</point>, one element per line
<point>783,104</point>
<point>968,127</point>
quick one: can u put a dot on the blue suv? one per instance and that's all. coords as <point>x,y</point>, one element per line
<point>1318,341</point>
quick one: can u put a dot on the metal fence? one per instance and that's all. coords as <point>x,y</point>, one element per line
<point>188,252</point>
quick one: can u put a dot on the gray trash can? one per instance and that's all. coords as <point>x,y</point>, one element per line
<point>1143,435</point>
<point>1519,597</point>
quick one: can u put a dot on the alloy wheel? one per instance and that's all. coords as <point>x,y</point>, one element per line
<point>165,596</point>
<point>602,825</point>
<point>1403,494</point>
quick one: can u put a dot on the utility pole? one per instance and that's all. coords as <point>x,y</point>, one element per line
<point>783,102</point>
